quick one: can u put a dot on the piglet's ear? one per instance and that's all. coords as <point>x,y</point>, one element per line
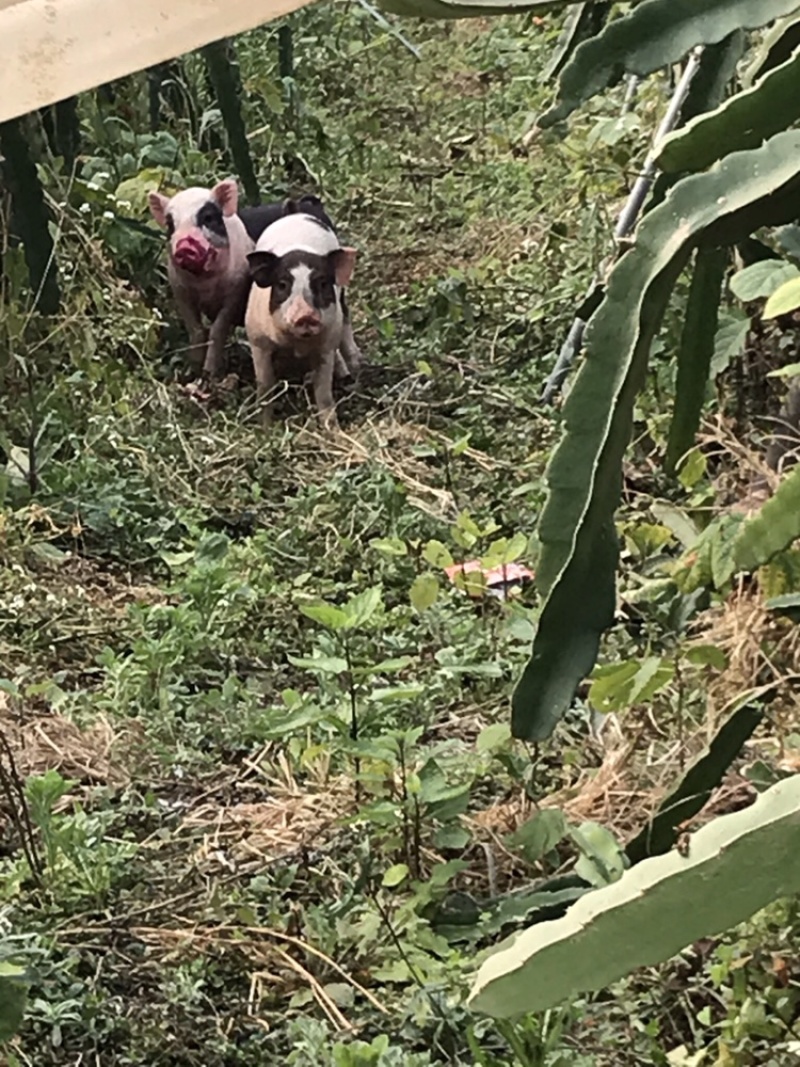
<point>226,195</point>
<point>343,261</point>
<point>290,207</point>
<point>262,268</point>
<point>158,207</point>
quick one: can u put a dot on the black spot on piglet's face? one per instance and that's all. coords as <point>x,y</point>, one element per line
<point>210,220</point>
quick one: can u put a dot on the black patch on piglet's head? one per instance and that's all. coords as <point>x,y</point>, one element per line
<point>210,219</point>
<point>277,273</point>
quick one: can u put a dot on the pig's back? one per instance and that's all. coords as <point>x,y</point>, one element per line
<point>257,219</point>
<point>298,233</point>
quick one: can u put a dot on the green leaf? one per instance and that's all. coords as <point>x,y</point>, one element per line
<point>390,546</point>
<point>327,615</point>
<point>730,339</point>
<point>692,468</point>
<point>360,609</point>
<point>136,190</point>
<point>389,666</point>
<point>451,837</point>
<point>395,875</point>
<point>424,591</point>
<point>783,300</point>
<point>772,529</point>
<point>695,352</point>
<point>602,859</point>
<point>213,548</point>
<point>540,834</point>
<point>745,120</point>
<point>174,560</point>
<point>762,279</point>
<point>492,737</point>
<point>677,520</point>
<point>703,777</point>
<point>707,656</point>
<point>576,570</point>
<point>656,33</point>
<point>437,554</point>
<point>323,664</point>
<point>736,865</point>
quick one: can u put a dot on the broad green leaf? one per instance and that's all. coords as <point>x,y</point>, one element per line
<point>692,468</point>
<point>539,905</point>
<point>327,614</point>
<point>602,859</point>
<point>610,686</point>
<point>424,591</point>
<point>579,551</point>
<point>360,609</point>
<point>707,656</point>
<point>773,528</point>
<point>736,865</point>
<point>762,279</point>
<point>787,240</point>
<point>695,352</point>
<point>540,834</point>
<point>730,339</point>
<point>437,554</point>
<point>136,190</point>
<point>323,664</point>
<point>621,685</point>
<point>390,546</point>
<point>654,34</point>
<point>703,777</point>
<point>395,875</point>
<point>783,300</point>
<point>677,520</point>
<point>492,737</point>
<point>743,121</point>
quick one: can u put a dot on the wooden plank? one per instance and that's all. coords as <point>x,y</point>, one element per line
<point>52,49</point>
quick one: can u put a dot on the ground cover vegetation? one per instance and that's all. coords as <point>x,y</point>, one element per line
<point>260,798</point>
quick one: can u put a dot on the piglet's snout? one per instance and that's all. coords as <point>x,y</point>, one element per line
<point>193,254</point>
<point>302,319</point>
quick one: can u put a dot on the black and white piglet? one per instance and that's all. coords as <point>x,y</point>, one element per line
<point>295,306</point>
<point>209,240</point>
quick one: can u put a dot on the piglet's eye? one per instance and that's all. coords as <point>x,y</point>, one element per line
<point>170,225</point>
<point>282,286</point>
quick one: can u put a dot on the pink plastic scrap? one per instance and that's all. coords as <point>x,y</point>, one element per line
<point>499,580</point>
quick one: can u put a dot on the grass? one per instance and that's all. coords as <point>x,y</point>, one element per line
<point>260,834</point>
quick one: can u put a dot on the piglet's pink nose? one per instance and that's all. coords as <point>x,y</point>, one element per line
<point>308,321</point>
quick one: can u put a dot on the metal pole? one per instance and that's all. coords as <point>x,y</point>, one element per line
<point>627,217</point>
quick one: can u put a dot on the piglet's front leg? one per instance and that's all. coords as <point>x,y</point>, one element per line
<point>198,335</point>
<point>322,380</point>
<point>217,339</point>
<point>262,352</point>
